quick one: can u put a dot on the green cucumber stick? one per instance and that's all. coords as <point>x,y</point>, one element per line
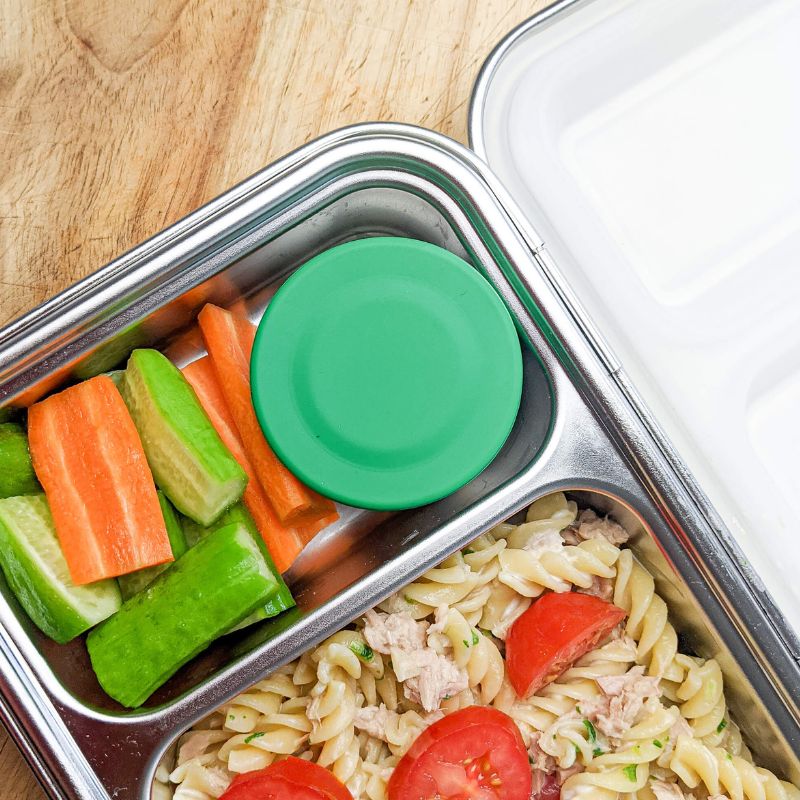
<point>205,593</point>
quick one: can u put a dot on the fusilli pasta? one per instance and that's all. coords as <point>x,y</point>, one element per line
<point>632,719</point>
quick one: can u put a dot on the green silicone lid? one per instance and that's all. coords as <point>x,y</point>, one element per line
<point>386,373</point>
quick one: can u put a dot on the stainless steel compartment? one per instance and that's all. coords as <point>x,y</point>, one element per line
<point>576,431</point>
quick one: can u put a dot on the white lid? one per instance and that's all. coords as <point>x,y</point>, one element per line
<point>655,146</point>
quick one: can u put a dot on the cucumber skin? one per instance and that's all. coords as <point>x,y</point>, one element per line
<point>16,470</point>
<point>213,587</point>
<point>151,379</point>
<point>134,582</point>
<point>282,599</point>
<point>37,597</point>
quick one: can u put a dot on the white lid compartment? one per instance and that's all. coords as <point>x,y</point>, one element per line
<point>655,146</point>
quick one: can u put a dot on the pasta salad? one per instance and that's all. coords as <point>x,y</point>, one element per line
<point>630,717</point>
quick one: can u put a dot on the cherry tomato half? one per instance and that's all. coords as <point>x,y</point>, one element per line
<point>289,779</point>
<point>476,753</point>
<point>554,633</point>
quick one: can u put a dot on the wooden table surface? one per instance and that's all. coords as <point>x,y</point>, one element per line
<point>116,119</point>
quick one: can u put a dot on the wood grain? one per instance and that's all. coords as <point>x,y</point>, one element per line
<point>116,119</point>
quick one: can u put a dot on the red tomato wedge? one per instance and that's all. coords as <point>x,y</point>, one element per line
<point>290,779</point>
<point>284,543</point>
<point>476,752</point>
<point>554,633</point>
<point>229,340</point>
<point>88,457</point>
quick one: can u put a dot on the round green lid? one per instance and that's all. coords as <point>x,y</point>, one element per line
<point>386,373</point>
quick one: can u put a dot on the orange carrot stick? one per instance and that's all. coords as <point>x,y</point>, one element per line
<point>284,543</point>
<point>88,457</point>
<point>229,340</point>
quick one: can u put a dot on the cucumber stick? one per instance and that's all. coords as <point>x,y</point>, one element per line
<point>190,463</point>
<point>37,572</point>
<point>16,471</point>
<point>211,588</point>
<point>282,599</point>
<point>134,582</point>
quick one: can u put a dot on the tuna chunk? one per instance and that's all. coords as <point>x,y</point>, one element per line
<point>671,791</point>
<point>427,674</point>
<point>590,526</point>
<point>601,587</point>
<point>385,632</point>
<point>541,762</point>
<point>623,698</point>
<point>195,743</point>
<point>428,677</point>
<point>376,720</point>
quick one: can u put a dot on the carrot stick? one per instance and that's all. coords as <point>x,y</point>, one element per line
<point>229,340</point>
<point>308,530</point>
<point>88,457</point>
<point>284,543</point>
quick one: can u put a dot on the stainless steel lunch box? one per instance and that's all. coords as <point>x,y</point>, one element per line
<point>578,430</point>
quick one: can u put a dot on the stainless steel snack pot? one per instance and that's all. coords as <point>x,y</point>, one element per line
<point>576,431</point>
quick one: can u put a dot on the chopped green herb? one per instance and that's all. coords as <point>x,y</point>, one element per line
<point>598,751</point>
<point>410,600</point>
<point>577,749</point>
<point>231,716</point>
<point>475,638</point>
<point>578,709</point>
<point>465,642</point>
<point>729,756</point>
<point>587,723</point>
<point>530,759</point>
<point>722,725</point>
<point>362,650</point>
<point>630,772</point>
<point>253,736</point>
<point>447,697</point>
<point>657,743</point>
<point>468,552</point>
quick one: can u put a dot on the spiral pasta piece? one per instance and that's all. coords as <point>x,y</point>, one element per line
<point>647,622</point>
<point>719,772</point>
<point>531,572</point>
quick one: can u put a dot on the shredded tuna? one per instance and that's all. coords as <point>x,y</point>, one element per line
<point>401,631</point>
<point>590,526</point>
<point>428,674</point>
<point>623,698</point>
<point>195,743</point>
<point>374,720</point>
<point>541,762</point>
<point>436,637</point>
<point>377,720</point>
<point>428,677</point>
<point>679,728</point>
<point>563,774</point>
<point>671,791</point>
<point>600,587</point>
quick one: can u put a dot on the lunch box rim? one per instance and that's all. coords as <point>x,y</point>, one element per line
<point>598,370</point>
